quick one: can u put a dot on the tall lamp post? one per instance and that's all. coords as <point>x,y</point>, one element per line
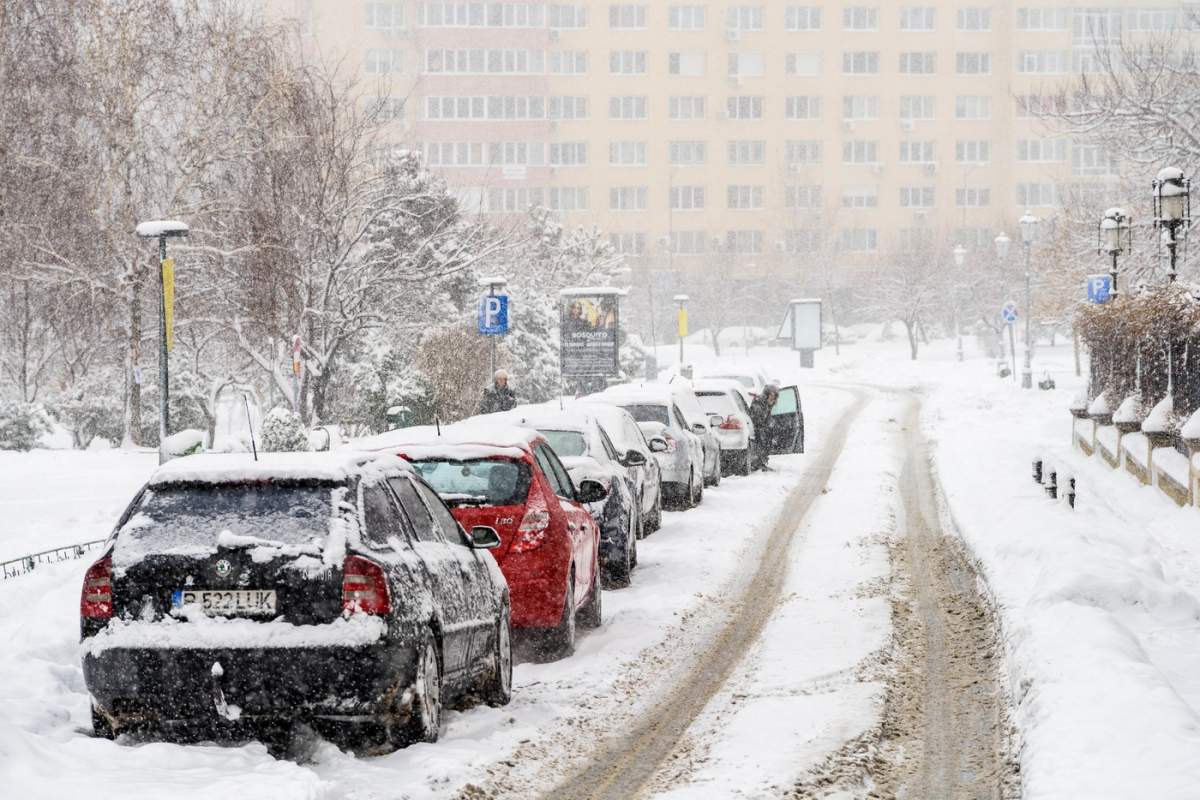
<point>1172,208</point>
<point>682,301</point>
<point>163,230</point>
<point>960,256</point>
<point>1029,227</point>
<point>1002,242</point>
<point>1114,236</point>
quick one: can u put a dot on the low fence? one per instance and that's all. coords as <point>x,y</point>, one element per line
<point>26,564</point>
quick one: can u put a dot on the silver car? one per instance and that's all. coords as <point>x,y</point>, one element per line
<point>730,421</point>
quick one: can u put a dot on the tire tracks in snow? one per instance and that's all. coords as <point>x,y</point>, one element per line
<point>622,767</point>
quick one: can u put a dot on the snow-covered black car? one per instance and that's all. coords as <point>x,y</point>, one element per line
<point>240,596</point>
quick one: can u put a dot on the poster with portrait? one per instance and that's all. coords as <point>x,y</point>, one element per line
<point>589,332</point>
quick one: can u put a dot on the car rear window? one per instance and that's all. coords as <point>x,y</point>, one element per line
<point>648,412</point>
<point>188,518</point>
<point>481,481</point>
<point>716,403</point>
<point>744,380</point>
<point>566,443</point>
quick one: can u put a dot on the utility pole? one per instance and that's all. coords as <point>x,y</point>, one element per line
<point>163,230</point>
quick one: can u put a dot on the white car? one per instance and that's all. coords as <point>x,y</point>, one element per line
<point>729,412</point>
<point>750,379</point>
<point>628,437</point>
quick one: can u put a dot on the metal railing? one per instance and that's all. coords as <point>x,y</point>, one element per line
<point>26,564</point>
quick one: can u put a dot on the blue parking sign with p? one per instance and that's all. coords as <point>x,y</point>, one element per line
<point>1099,288</point>
<point>493,315</point>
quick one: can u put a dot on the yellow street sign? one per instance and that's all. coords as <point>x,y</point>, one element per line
<point>683,330</point>
<point>168,285</point>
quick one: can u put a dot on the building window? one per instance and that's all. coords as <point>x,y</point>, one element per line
<point>566,107</point>
<point>568,154</point>
<point>972,107</point>
<point>806,64</point>
<point>626,17</point>
<point>974,19</point>
<point>687,198</point>
<point>860,62</point>
<point>517,154</point>
<point>747,152</point>
<point>384,109</point>
<point>803,240</point>
<point>972,196</point>
<point>860,107</point>
<point>454,154</point>
<point>629,243</point>
<point>973,63</point>
<point>568,62</point>
<point>746,65</point>
<point>802,18</point>
<point>916,196</point>
<point>860,197</point>
<point>916,107</point>
<point>744,18</point>
<point>859,239</point>
<point>1043,19</point>
<point>685,107</point>
<point>627,62</point>
<point>1035,105</point>
<point>802,107</point>
<point>688,64</point>
<point>744,107</point>
<point>801,152</point>
<point>860,151</point>
<point>913,240</point>
<point>627,107</point>
<point>916,153</point>
<point>919,18</point>
<point>384,17</point>
<point>1036,194</point>
<point>973,151</point>
<point>568,17</point>
<point>568,198</point>
<point>1088,159</point>
<point>480,61</point>
<point>1042,62</point>
<point>627,154</point>
<point>918,63</point>
<point>805,195</point>
<point>627,198</point>
<point>746,243</point>
<point>687,243</point>
<point>383,61</point>
<point>687,153</point>
<point>514,200</point>
<point>685,18</point>
<point>744,198</point>
<point>860,18</point>
<point>1042,150</point>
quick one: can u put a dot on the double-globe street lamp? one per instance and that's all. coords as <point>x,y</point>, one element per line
<point>960,256</point>
<point>1172,208</point>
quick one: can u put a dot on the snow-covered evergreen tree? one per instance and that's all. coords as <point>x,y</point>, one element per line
<point>283,431</point>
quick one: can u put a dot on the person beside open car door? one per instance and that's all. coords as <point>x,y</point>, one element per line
<point>760,415</point>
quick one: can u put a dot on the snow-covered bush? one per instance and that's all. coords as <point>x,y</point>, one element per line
<point>1100,406</point>
<point>21,425</point>
<point>1131,411</point>
<point>184,443</point>
<point>1162,418</point>
<point>283,431</point>
<point>90,412</point>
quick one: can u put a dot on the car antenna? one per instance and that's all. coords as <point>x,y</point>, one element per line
<point>437,423</point>
<point>250,424</point>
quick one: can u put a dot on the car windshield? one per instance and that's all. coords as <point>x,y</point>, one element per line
<point>716,403</point>
<point>649,412</point>
<point>566,443</point>
<point>480,481</point>
<point>188,518</point>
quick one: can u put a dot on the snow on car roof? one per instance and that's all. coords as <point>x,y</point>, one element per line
<point>716,385</point>
<point>477,437</point>
<point>658,393</point>
<point>243,468</point>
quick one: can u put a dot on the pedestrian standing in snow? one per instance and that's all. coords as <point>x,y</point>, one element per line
<point>498,397</point>
<point>760,415</point>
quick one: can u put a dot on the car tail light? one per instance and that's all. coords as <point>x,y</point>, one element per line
<point>95,601</point>
<point>364,587</point>
<point>534,526</point>
<point>731,423</point>
<point>670,440</point>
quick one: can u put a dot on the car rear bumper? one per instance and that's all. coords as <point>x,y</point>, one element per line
<point>159,686</point>
<point>537,587</point>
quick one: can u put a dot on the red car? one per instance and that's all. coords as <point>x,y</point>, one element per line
<point>510,479</point>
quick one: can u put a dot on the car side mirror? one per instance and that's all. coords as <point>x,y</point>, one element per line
<point>699,429</point>
<point>657,444</point>
<point>484,538</point>
<point>635,459</point>
<point>715,420</point>
<point>590,491</point>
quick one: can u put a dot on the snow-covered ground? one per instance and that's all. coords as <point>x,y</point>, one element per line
<point>1099,609</point>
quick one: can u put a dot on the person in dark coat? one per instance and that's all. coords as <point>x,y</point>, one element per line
<point>760,415</point>
<point>498,397</point>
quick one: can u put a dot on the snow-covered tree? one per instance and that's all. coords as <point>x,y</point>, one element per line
<point>283,431</point>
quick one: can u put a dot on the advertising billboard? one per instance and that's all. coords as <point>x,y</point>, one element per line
<point>589,332</point>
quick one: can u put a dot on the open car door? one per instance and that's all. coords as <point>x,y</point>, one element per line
<point>787,423</point>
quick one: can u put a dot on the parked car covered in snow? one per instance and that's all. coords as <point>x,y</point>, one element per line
<point>238,595</point>
<point>730,421</point>
<point>628,438</point>
<point>670,411</point>
<point>750,379</point>
<point>509,478</point>
<point>587,451</point>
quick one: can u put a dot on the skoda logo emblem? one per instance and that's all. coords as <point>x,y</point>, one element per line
<point>223,568</point>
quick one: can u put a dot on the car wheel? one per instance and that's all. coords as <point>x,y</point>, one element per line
<point>425,720</point>
<point>699,489</point>
<point>498,689</point>
<point>745,462</point>
<point>656,517</point>
<point>592,613</point>
<point>716,481</point>
<point>617,576</point>
<point>641,534</point>
<point>562,639</point>
<point>101,727</point>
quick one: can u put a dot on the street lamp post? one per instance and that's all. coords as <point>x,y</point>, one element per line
<point>681,300</point>
<point>1002,241</point>
<point>1114,237</point>
<point>960,255</point>
<point>1172,208</point>
<point>163,230</point>
<point>1029,226</point>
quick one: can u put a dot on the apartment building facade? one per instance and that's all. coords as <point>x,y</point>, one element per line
<point>761,134</point>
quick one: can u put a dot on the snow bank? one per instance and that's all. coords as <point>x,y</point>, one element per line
<point>1162,417</point>
<point>1100,406</point>
<point>1130,410</point>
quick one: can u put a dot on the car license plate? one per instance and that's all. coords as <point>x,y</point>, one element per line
<point>228,603</point>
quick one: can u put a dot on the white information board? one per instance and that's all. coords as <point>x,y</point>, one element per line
<point>802,324</point>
